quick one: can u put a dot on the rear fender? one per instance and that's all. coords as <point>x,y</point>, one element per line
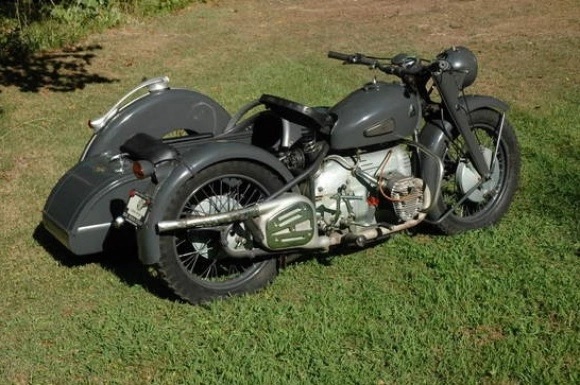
<point>157,114</point>
<point>192,162</point>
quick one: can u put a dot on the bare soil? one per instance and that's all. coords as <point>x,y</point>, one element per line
<point>526,47</point>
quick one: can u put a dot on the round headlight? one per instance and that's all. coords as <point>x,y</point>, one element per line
<point>463,62</point>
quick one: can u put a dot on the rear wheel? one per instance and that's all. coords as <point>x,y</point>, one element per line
<point>487,204</point>
<point>193,262</point>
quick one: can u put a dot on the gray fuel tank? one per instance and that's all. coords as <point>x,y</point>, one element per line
<point>376,113</point>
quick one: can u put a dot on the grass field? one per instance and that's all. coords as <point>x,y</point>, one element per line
<point>494,306</point>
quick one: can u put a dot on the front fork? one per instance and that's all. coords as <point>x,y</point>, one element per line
<point>449,92</point>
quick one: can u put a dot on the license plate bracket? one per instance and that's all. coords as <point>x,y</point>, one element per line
<point>137,208</point>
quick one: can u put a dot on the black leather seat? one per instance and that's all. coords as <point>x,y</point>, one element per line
<point>297,113</point>
<point>143,146</point>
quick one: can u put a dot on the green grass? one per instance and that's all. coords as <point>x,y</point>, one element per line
<point>494,306</point>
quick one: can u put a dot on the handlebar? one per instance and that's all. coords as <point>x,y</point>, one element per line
<point>389,69</point>
<point>339,56</point>
<point>356,58</point>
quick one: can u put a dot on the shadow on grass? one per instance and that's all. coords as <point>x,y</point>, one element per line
<point>120,258</point>
<point>64,71</point>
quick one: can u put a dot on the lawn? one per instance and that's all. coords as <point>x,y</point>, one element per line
<point>494,306</point>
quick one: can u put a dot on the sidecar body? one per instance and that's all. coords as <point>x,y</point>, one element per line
<point>83,205</point>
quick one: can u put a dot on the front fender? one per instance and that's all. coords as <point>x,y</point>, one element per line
<point>478,102</point>
<point>159,113</point>
<point>192,162</point>
<point>436,133</point>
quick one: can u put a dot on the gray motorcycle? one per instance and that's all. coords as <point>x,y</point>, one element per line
<point>217,202</point>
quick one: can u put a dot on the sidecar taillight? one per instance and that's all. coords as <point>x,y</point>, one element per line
<point>143,169</point>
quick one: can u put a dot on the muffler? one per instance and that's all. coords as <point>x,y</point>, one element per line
<point>287,222</point>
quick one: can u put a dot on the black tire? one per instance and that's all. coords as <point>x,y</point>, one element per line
<point>492,201</point>
<point>192,262</point>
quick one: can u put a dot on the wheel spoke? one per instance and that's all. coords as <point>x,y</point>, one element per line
<point>456,154</point>
<point>189,260</point>
<point>199,252</point>
<point>210,271</point>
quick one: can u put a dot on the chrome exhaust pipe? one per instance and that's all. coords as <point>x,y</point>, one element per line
<point>210,220</point>
<point>218,219</point>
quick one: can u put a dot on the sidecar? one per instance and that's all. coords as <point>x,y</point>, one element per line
<point>81,210</point>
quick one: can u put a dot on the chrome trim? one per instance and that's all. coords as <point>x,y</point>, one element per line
<point>87,147</point>
<point>155,84</point>
<point>93,227</point>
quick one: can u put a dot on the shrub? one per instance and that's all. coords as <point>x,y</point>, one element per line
<point>29,25</point>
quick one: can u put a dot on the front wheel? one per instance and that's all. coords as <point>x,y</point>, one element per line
<point>193,262</point>
<point>487,204</point>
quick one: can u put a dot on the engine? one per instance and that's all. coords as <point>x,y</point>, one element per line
<point>363,190</point>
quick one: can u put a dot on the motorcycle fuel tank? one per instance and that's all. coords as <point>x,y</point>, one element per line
<point>376,113</point>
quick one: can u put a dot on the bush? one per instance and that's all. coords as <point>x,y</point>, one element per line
<point>30,25</point>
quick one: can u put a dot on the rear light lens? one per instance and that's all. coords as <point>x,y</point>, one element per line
<point>143,169</point>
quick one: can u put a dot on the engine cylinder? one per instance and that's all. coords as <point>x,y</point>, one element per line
<point>345,186</point>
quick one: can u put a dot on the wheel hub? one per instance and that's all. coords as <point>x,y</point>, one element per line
<point>212,205</point>
<point>467,177</point>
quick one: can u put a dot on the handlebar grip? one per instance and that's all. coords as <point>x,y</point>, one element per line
<point>339,56</point>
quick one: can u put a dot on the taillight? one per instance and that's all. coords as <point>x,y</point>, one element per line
<point>143,169</point>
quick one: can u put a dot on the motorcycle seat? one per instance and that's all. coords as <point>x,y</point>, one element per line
<point>297,113</point>
<point>145,147</point>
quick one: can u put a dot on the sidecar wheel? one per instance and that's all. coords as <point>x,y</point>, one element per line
<point>488,204</point>
<point>193,262</point>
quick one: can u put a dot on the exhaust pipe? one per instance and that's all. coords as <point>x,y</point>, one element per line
<point>239,215</point>
<point>284,223</point>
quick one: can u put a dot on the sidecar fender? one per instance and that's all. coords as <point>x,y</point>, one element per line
<point>157,114</point>
<point>192,162</point>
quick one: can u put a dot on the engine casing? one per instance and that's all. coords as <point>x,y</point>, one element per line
<point>346,188</point>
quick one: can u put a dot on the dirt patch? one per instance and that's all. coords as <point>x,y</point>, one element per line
<point>526,48</point>
<point>482,335</point>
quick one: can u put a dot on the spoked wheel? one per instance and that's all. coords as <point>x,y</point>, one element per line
<point>193,262</point>
<point>486,205</point>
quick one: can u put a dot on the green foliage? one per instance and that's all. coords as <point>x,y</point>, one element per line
<point>152,7</point>
<point>27,26</point>
<point>80,11</point>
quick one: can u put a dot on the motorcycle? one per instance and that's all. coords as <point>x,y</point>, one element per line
<point>218,201</point>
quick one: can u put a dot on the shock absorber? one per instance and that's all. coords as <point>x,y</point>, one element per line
<point>309,144</point>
